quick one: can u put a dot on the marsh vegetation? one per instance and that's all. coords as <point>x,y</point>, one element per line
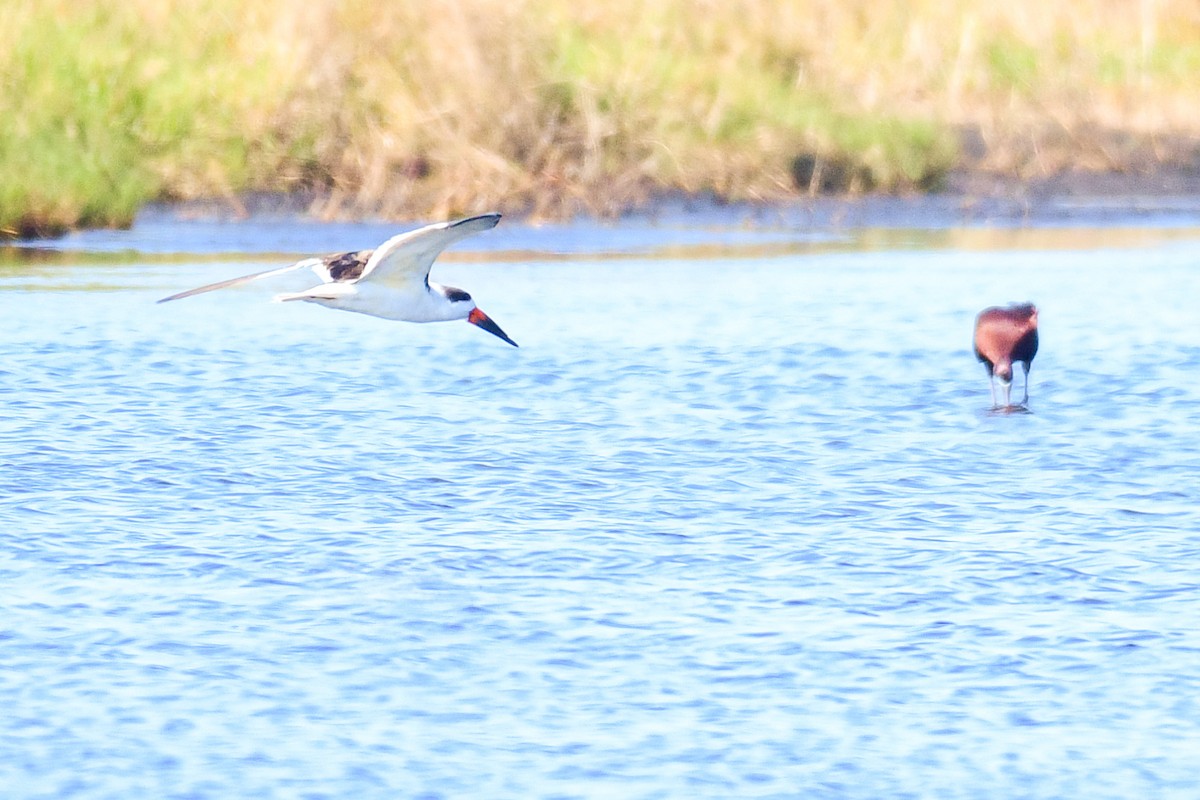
<point>435,108</point>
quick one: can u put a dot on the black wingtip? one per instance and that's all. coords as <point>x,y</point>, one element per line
<point>482,221</point>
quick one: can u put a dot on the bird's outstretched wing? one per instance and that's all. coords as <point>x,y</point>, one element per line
<point>315,264</point>
<point>405,259</point>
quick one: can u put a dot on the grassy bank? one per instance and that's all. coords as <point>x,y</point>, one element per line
<point>435,108</point>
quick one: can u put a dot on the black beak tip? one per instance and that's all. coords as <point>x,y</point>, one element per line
<point>482,320</point>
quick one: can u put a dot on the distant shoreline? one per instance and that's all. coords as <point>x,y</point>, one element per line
<point>1158,195</point>
<point>968,197</point>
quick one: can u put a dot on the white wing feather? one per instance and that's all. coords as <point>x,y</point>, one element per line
<point>401,260</point>
<point>406,259</point>
<point>315,264</point>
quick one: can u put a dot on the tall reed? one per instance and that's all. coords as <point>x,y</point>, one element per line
<point>551,106</point>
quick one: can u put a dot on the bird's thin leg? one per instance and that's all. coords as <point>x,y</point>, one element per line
<point>992,387</point>
<point>1025,402</point>
<point>1008,394</point>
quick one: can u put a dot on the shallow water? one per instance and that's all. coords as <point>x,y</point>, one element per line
<point>734,521</point>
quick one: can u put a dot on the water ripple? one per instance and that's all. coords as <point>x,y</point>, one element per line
<point>673,546</point>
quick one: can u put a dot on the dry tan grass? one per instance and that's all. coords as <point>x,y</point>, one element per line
<point>448,106</point>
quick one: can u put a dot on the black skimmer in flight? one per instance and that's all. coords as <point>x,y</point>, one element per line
<point>391,281</point>
<point>1003,336</point>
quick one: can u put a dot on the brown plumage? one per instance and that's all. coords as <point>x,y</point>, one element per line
<point>347,266</point>
<point>1004,336</point>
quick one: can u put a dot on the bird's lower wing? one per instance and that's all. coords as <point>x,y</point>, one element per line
<point>407,258</point>
<point>308,263</point>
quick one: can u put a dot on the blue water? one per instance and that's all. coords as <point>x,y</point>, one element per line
<point>734,521</point>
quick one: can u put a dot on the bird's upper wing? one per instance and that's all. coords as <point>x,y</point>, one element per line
<point>315,264</point>
<point>406,259</point>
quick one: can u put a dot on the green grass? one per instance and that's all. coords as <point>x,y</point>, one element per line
<point>67,155</point>
<point>552,107</point>
<point>103,118</point>
<point>1012,64</point>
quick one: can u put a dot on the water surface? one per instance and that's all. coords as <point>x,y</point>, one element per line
<point>734,521</point>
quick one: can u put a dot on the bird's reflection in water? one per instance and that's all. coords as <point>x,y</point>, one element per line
<point>1012,408</point>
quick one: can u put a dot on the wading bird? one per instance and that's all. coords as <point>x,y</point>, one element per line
<point>391,281</point>
<point>1004,336</point>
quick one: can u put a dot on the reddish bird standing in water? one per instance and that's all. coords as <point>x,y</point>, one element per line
<point>1003,336</point>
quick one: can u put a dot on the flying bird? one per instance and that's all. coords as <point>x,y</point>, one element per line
<point>1004,335</point>
<point>391,281</point>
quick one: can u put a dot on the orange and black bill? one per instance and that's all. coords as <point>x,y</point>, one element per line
<point>477,317</point>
